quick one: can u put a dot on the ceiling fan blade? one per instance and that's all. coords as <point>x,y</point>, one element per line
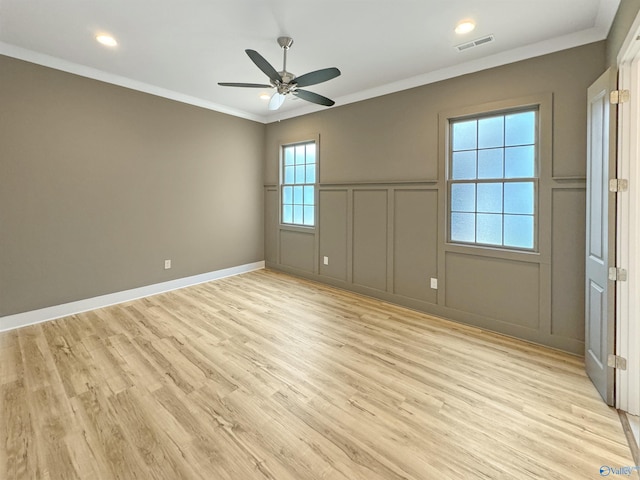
<point>314,98</point>
<point>277,99</point>
<point>246,85</point>
<point>263,65</point>
<point>318,76</point>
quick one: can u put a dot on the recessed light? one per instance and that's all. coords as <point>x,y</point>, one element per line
<point>265,96</point>
<point>465,26</point>
<point>107,40</point>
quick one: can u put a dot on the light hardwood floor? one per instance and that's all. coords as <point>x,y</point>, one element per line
<point>266,376</point>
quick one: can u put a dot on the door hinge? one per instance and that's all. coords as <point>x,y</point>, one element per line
<point>616,361</point>
<point>617,274</point>
<point>617,185</point>
<point>619,96</point>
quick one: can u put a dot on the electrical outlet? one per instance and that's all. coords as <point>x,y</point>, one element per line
<point>325,260</point>
<point>167,264</point>
<point>434,283</point>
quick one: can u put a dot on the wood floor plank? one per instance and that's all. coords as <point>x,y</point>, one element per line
<point>162,457</point>
<point>204,443</point>
<point>267,376</point>
<point>18,456</point>
<point>105,436</point>
<point>10,358</point>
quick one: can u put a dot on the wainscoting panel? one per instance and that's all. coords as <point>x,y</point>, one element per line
<point>297,250</point>
<point>567,269</point>
<point>415,243</point>
<point>333,235</point>
<point>370,238</point>
<point>504,290</point>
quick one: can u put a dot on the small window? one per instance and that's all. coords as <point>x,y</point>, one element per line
<point>493,180</point>
<point>299,165</point>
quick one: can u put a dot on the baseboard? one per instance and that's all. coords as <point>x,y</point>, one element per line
<point>11,322</point>
<point>631,439</point>
<point>568,345</point>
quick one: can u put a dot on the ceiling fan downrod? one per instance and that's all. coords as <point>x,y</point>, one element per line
<point>285,43</point>
<point>284,86</point>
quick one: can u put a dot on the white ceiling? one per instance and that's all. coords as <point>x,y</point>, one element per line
<point>180,49</point>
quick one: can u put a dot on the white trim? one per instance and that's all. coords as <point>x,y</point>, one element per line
<point>630,47</point>
<point>89,72</point>
<point>545,47</point>
<point>583,37</point>
<point>18,320</point>
<point>628,227</point>
<point>634,423</point>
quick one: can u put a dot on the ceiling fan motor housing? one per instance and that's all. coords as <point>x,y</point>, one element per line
<point>285,87</point>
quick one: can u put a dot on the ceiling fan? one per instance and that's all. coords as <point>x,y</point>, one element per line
<point>286,82</point>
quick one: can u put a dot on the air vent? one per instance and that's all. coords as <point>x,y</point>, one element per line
<point>475,43</point>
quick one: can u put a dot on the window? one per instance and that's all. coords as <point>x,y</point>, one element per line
<point>493,179</point>
<point>298,184</point>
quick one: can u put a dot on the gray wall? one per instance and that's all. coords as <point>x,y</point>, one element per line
<point>99,184</point>
<point>381,197</point>
<point>626,14</point>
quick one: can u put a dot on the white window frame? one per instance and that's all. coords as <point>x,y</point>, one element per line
<point>282,184</point>
<point>478,115</point>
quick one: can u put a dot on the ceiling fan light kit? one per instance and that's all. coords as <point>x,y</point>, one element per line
<point>286,82</point>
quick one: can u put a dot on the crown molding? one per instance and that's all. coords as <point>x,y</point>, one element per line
<point>545,47</point>
<point>95,74</point>
<point>599,32</point>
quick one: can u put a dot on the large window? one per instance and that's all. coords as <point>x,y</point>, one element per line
<point>298,184</point>
<point>493,179</point>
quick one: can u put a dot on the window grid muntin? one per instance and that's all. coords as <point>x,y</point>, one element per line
<point>297,186</point>
<point>495,180</point>
<point>502,214</point>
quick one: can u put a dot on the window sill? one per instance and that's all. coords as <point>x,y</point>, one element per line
<point>495,252</point>
<point>297,228</point>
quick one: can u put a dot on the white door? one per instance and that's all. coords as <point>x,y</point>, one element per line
<point>600,241</point>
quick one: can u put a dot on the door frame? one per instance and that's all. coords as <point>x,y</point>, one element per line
<point>628,226</point>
